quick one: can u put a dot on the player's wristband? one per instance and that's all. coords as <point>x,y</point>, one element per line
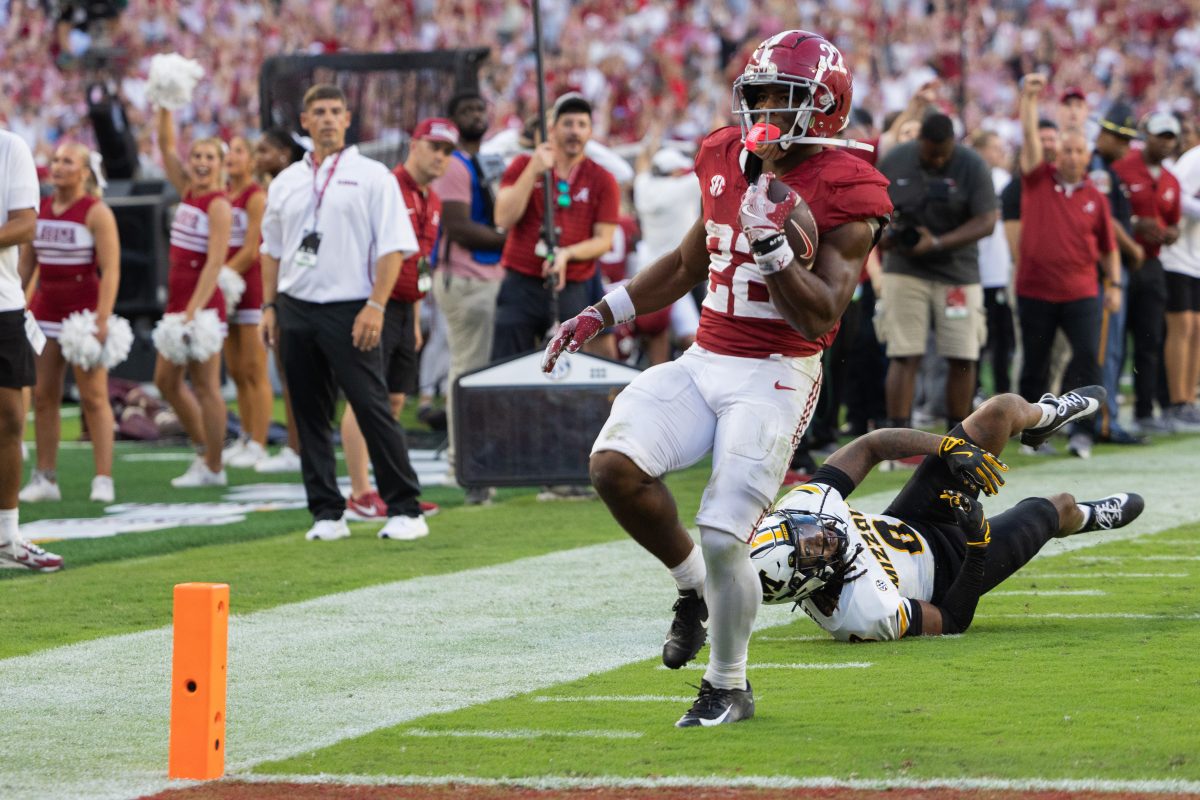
<point>772,254</point>
<point>620,304</point>
<point>378,307</point>
<point>268,306</point>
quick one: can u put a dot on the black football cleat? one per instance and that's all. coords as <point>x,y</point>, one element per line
<point>1112,512</point>
<point>688,630</point>
<point>716,706</point>
<point>1072,406</point>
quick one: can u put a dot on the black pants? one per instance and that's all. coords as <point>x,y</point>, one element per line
<point>1146,323</point>
<point>1017,534</point>
<point>1002,336</point>
<point>1040,319</point>
<point>319,357</point>
<point>523,312</point>
<point>867,367</point>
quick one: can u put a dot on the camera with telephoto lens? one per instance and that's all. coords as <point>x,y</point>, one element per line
<point>903,229</point>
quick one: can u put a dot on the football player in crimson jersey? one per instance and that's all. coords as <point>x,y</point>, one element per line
<point>746,390</point>
<point>920,567</point>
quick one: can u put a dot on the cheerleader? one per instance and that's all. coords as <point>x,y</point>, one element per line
<point>199,247</point>
<point>78,262</point>
<point>245,354</point>
<point>275,150</point>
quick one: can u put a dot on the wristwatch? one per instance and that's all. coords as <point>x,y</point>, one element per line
<point>267,306</point>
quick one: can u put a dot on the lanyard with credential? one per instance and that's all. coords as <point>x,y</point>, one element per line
<point>320,195</point>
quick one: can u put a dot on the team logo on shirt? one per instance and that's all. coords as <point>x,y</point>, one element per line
<point>1169,195</point>
<point>582,196</point>
<point>1089,207</point>
<point>716,185</point>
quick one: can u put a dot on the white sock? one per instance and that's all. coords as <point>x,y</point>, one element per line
<point>1049,412</point>
<point>1087,516</point>
<point>690,573</point>
<point>734,595</point>
<point>8,526</point>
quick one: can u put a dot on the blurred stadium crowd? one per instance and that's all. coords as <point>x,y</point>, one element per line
<point>635,60</point>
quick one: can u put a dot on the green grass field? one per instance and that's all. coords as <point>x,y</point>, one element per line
<point>519,643</point>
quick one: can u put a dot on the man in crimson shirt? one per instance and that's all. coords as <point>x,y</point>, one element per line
<point>1066,228</point>
<point>429,153</point>
<point>586,207</point>
<point>1154,194</point>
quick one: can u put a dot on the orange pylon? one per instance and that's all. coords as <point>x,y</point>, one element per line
<point>197,740</point>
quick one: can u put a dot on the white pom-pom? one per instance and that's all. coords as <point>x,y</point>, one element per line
<point>205,337</point>
<point>78,341</point>
<point>170,338</point>
<point>232,286</point>
<point>172,80</point>
<point>118,342</point>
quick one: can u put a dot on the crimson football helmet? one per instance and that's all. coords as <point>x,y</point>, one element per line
<point>819,85</point>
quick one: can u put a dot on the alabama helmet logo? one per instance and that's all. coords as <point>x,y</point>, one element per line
<point>716,185</point>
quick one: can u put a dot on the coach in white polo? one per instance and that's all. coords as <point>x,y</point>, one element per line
<point>334,234</point>
<point>19,201</point>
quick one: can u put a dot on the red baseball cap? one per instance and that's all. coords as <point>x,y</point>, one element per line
<point>437,129</point>
<point>1072,92</point>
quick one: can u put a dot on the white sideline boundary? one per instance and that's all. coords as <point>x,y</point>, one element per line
<point>518,733</point>
<point>307,675</point>
<point>553,782</point>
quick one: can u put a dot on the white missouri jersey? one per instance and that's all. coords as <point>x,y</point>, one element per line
<point>897,562</point>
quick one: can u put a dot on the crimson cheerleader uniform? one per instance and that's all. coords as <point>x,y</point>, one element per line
<point>69,275</point>
<point>249,308</point>
<point>189,251</point>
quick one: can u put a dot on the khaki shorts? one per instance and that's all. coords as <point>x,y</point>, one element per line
<point>911,304</point>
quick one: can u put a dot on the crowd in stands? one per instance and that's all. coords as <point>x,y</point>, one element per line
<point>635,60</point>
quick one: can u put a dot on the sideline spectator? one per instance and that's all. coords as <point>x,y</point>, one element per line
<point>587,204</point>
<point>468,276</point>
<point>944,203</point>
<point>432,143</point>
<point>1117,130</point>
<point>1066,227</point>
<point>320,236</point>
<point>1181,261</point>
<point>18,223</point>
<point>1154,198</point>
<point>995,270</point>
<point>78,262</point>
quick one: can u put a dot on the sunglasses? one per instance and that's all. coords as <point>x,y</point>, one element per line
<point>564,194</point>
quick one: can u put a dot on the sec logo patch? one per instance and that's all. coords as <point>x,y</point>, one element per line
<point>716,185</point>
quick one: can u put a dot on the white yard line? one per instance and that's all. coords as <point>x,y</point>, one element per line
<point>555,782</point>
<point>1049,593</point>
<point>307,675</point>
<point>616,698</point>
<point>798,666</point>
<point>518,733</point>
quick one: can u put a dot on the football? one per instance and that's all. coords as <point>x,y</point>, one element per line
<point>801,228</point>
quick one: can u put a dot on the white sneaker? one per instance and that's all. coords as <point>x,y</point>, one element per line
<point>327,530</point>
<point>198,475</point>
<point>405,528</point>
<point>251,453</point>
<point>286,460</point>
<point>102,489</point>
<point>20,554</point>
<point>40,489</point>
<point>232,451</point>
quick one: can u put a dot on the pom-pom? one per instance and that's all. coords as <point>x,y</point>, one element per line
<point>205,337</point>
<point>118,342</point>
<point>180,341</point>
<point>170,338</point>
<point>78,341</point>
<point>172,80</point>
<point>232,286</point>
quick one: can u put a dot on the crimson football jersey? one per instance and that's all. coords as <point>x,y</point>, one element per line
<point>738,318</point>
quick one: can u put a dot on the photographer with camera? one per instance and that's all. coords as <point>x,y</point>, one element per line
<point>944,204</point>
